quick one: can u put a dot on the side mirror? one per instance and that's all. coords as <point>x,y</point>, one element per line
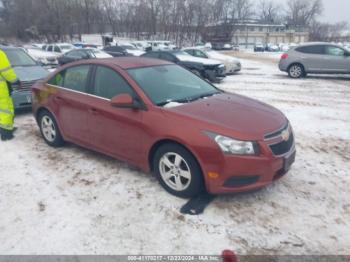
<point>125,101</point>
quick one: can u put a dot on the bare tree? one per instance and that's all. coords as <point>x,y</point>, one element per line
<point>268,11</point>
<point>302,13</point>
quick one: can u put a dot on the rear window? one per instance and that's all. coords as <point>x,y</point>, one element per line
<point>312,49</point>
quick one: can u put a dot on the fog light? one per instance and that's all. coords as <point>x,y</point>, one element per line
<point>213,175</point>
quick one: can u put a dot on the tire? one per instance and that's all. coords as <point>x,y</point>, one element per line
<point>296,71</point>
<point>49,129</point>
<point>178,171</point>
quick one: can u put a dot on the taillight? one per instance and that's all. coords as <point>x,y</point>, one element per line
<point>284,56</point>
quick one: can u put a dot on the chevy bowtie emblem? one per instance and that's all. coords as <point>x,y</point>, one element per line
<point>285,135</point>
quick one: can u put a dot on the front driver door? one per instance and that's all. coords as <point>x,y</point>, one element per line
<point>337,61</point>
<point>115,131</point>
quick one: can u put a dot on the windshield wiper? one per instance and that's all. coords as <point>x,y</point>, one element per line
<point>194,98</point>
<point>188,99</point>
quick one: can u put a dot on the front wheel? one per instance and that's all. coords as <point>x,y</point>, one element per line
<point>178,171</point>
<point>296,71</point>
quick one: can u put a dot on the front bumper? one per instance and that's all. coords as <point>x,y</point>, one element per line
<point>235,174</point>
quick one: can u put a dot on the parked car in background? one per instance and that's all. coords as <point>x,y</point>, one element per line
<point>59,48</point>
<point>212,70</point>
<point>236,47</point>
<point>116,51</point>
<point>28,72</point>
<point>131,49</point>
<point>80,54</point>
<point>259,48</point>
<point>85,45</point>
<point>316,58</point>
<point>272,48</point>
<point>222,46</point>
<point>232,64</point>
<point>160,46</point>
<point>141,45</point>
<point>46,59</point>
<point>163,119</point>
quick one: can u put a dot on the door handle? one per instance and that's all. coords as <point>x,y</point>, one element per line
<point>58,98</point>
<point>93,111</point>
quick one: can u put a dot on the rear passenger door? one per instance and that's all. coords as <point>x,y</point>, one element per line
<point>313,58</point>
<point>70,97</point>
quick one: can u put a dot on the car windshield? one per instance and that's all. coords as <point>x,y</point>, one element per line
<point>171,83</point>
<point>66,47</point>
<point>19,58</point>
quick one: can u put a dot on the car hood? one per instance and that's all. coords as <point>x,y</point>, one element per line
<point>224,58</point>
<point>40,54</point>
<point>235,115</point>
<point>204,61</point>
<point>30,73</point>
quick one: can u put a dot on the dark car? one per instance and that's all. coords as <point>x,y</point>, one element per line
<point>28,72</point>
<point>80,54</point>
<point>259,48</point>
<point>116,51</point>
<point>212,70</point>
<point>162,118</point>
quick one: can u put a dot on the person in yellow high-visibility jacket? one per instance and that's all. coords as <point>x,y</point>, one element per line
<point>7,75</point>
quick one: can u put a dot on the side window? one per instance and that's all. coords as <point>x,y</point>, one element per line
<point>50,48</point>
<point>57,80</point>
<point>334,51</point>
<point>109,83</point>
<point>75,78</point>
<point>190,51</point>
<point>167,57</point>
<point>57,49</point>
<point>314,49</point>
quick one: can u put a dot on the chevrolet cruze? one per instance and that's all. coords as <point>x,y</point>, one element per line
<point>162,118</point>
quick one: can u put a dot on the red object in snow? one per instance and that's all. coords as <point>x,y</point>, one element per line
<point>229,256</point>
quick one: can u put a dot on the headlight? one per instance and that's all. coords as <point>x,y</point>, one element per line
<point>235,147</point>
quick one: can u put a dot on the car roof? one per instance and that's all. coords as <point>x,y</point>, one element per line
<point>316,43</point>
<point>126,62</point>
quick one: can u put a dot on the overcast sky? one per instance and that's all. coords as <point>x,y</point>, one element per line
<point>334,10</point>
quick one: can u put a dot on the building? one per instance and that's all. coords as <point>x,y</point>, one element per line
<point>248,33</point>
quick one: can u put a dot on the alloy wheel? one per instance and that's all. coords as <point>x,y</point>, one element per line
<point>48,128</point>
<point>175,171</point>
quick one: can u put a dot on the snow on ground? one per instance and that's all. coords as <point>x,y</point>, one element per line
<point>74,201</point>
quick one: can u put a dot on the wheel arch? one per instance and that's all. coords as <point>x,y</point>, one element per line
<point>164,141</point>
<point>297,63</point>
<point>42,109</point>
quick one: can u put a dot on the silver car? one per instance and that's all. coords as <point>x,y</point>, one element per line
<point>28,72</point>
<point>315,58</point>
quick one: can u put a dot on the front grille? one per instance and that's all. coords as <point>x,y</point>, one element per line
<point>283,147</point>
<point>277,133</point>
<point>25,85</point>
<point>241,181</point>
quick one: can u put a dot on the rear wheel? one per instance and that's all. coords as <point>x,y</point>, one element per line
<point>49,129</point>
<point>296,71</point>
<point>178,171</point>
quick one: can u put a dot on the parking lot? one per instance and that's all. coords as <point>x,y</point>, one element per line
<point>74,201</point>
